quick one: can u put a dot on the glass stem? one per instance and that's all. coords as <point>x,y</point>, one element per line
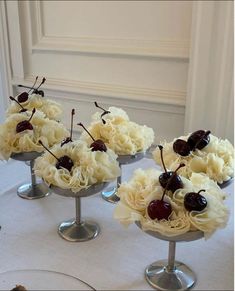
<point>33,178</point>
<point>119,179</point>
<point>78,210</point>
<point>171,256</point>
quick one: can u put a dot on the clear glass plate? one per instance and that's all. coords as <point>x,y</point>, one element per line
<point>41,280</point>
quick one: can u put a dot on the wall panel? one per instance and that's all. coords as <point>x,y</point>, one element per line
<point>130,53</point>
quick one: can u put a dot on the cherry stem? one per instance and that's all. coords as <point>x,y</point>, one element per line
<point>86,130</point>
<point>104,113</point>
<point>180,166</point>
<point>13,99</point>
<point>96,104</point>
<point>33,84</point>
<point>23,86</point>
<point>40,142</point>
<point>203,190</point>
<point>107,112</point>
<point>42,82</point>
<point>33,111</point>
<point>161,150</point>
<point>71,126</point>
<point>165,191</point>
<point>204,135</point>
<point>169,181</point>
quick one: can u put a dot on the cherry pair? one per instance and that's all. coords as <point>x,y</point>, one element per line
<point>169,180</point>
<point>197,140</point>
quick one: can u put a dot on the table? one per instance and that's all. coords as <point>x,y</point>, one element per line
<point>117,258</point>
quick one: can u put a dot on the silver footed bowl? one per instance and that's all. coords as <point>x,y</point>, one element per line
<point>93,189</point>
<point>25,156</point>
<point>171,274</point>
<point>78,230</point>
<point>188,236</point>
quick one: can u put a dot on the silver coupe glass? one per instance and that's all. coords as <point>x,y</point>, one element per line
<point>76,229</point>
<point>171,274</point>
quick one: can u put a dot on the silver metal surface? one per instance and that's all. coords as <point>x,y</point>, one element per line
<point>170,274</point>
<point>78,230</point>
<point>129,159</point>
<point>96,188</point>
<point>180,278</point>
<point>78,210</point>
<point>149,152</point>
<point>27,156</point>
<point>110,194</point>
<point>226,183</point>
<point>171,256</point>
<point>34,190</point>
<point>29,192</point>
<point>188,236</point>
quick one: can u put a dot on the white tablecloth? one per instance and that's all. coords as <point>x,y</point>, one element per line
<point>117,258</point>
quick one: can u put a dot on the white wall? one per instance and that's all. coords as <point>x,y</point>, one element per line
<point>210,94</point>
<point>132,54</point>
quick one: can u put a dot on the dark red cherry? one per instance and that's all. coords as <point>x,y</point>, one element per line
<point>69,139</point>
<point>65,162</point>
<point>104,113</point>
<point>199,139</point>
<point>62,162</point>
<point>170,180</point>
<point>96,145</point>
<point>181,147</point>
<point>159,209</point>
<point>25,124</point>
<point>23,97</point>
<point>195,201</point>
<point>176,182</point>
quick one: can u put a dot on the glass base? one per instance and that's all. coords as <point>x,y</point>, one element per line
<point>74,232</point>
<point>29,192</point>
<point>181,278</point>
<point>110,195</point>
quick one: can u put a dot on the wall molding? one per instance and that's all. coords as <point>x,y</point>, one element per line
<point>176,49</point>
<point>136,47</point>
<point>144,95</point>
<point>15,38</point>
<point>5,62</point>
